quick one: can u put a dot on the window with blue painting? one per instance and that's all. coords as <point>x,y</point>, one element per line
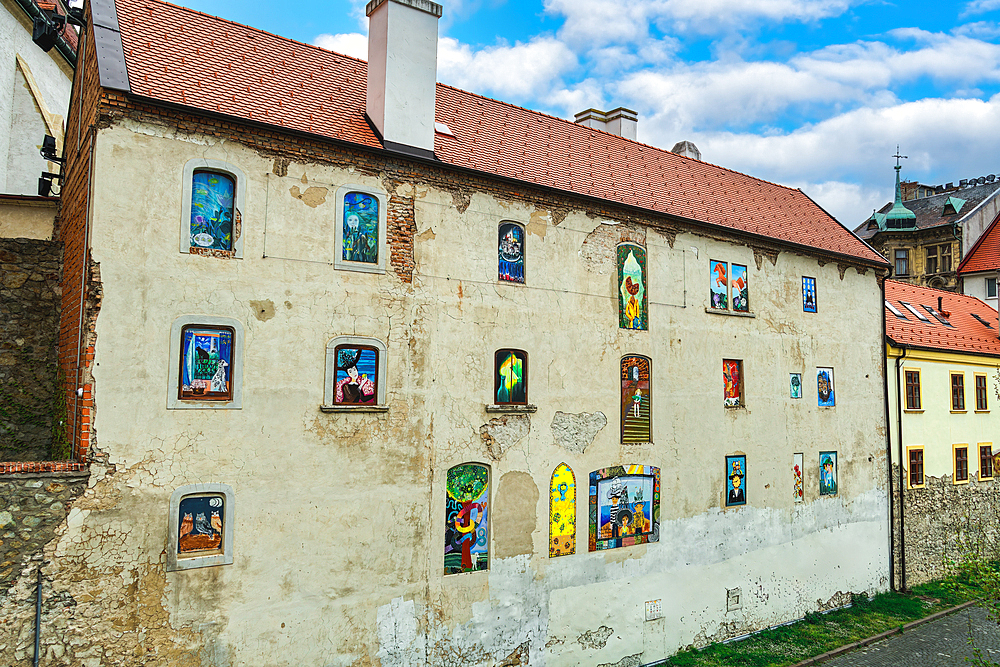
<point>357,375</point>
<point>360,234</point>
<point>510,252</point>
<point>206,363</point>
<point>213,211</point>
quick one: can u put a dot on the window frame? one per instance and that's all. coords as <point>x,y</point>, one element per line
<point>982,392</point>
<point>957,405</point>
<point>174,402</point>
<point>944,252</point>
<point>907,406</point>
<point>341,264</point>
<point>815,291</point>
<point>991,281</point>
<point>980,447</point>
<point>910,449</point>
<point>239,206</point>
<point>930,253</point>
<point>728,310</point>
<point>330,378</point>
<point>905,259</point>
<point>176,561</point>
<point>742,389</point>
<point>496,376</point>
<point>524,253</point>
<point>955,449</point>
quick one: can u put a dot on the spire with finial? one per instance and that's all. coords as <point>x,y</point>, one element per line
<point>900,217</point>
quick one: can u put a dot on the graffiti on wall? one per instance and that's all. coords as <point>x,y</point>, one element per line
<point>624,506</point>
<point>635,397</point>
<point>562,512</point>
<point>466,534</point>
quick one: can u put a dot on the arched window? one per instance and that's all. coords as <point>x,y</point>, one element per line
<point>200,532</point>
<point>510,252</point>
<point>213,201</point>
<point>633,302</point>
<point>206,363</point>
<point>466,533</point>
<point>636,399</point>
<point>510,377</point>
<point>355,373</point>
<point>562,512</point>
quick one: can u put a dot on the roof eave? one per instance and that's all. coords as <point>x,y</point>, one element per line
<point>928,348</point>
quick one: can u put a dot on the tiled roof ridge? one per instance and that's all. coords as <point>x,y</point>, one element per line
<point>251,28</point>
<point>612,134</point>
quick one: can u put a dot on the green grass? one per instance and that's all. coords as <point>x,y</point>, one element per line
<point>819,633</point>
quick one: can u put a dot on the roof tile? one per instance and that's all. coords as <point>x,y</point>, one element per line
<point>966,333</point>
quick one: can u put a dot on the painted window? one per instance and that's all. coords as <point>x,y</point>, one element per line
<point>808,294</point>
<point>200,526</point>
<point>212,202</point>
<point>825,396</point>
<point>985,461</point>
<point>360,230</point>
<point>991,288</point>
<point>916,456</point>
<point>562,512</point>
<point>510,377</point>
<point>624,506</point>
<point>739,286</point>
<point>828,473</point>
<point>719,279</point>
<point>912,390</point>
<point>961,463</point>
<point>729,286</point>
<point>732,377</point>
<point>795,385</point>
<point>636,405</point>
<point>736,474</point>
<point>355,373</point>
<point>206,363</point>
<point>633,302</point>
<point>510,252</point>
<point>982,402</point>
<point>958,392</point>
<point>466,534</point>
<point>902,259</point>
<point>797,488</point>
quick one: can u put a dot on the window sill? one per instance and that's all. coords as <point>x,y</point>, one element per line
<point>985,479</point>
<point>982,412</point>
<point>959,482</point>
<point>919,486</point>
<point>731,313</point>
<point>916,410</point>
<point>512,409</point>
<point>354,408</point>
<point>958,412</point>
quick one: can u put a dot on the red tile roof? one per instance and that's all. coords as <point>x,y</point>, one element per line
<point>985,254</point>
<point>966,334</point>
<point>181,56</point>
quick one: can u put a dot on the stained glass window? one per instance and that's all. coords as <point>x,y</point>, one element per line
<point>206,363</point>
<point>635,399</point>
<point>510,383</point>
<point>212,196</point>
<point>466,533</point>
<point>357,378</point>
<point>510,252</point>
<point>360,233</point>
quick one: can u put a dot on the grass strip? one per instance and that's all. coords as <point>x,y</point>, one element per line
<point>818,633</point>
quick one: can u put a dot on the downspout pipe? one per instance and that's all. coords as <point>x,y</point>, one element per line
<point>38,618</point>
<point>888,446</point>
<point>902,480</point>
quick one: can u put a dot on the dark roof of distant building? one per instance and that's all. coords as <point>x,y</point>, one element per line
<point>184,57</point>
<point>930,211</point>
<point>968,318</point>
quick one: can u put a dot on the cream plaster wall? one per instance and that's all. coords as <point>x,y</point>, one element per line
<point>339,517</point>
<point>27,219</point>
<point>974,284</point>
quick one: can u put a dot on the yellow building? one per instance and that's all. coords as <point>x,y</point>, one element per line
<point>943,388</point>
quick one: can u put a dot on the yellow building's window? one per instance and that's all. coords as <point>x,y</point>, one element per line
<point>916,476</point>
<point>958,392</point>
<point>982,400</point>
<point>961,459</point>
<point>985,461</point>
<point>912,390</point>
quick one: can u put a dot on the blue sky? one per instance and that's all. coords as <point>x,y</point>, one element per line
<point>809,93</point>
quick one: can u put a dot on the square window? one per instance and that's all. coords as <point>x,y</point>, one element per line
<point>206,363</point>
<point>961,464</point>
<point>808,294</point>
<point>732,377</point>
<point>982,394</point>
<point>624,506</point>
<point>912,390</point>
<point>355,375</point>
<point>985,461</point>
<point>360,231</point>
<point>957,392</point>
<point>916,456</point>
<point>510,377</point>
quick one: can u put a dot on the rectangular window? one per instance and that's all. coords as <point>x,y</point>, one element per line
<point>902,262</point>
<point>944,252</point>
<point>206,361</point>
<point>729,286</point>
<point>957,392</point>
<point>932,259</point>
<point>732,375</point>
<point>916,467</point>
<point>985,461</point>
<point>961,464</point>
<point>991,288</point>
<point>982,403</point>
<point>808,294</point>
<point>912,390</point>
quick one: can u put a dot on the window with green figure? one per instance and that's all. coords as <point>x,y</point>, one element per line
<point>510,377</point>
<point>212,196</point>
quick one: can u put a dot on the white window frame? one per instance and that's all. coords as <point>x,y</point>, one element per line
<point>330,383</point>
<point>991,281</point>
<point>236,369</point>
<point>176,561</point>
<point>383,243</point>
<point>230,169</point>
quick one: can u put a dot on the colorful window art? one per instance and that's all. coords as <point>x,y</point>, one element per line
<point>633,304</point>
<point>740,289</point>
<point>729,287</point>
<point>808,294</point>
<point>357,368</point>
<point>719,293</point>
<point>206,363</point>
<point>466,533</point>
<point>828,473</point>
<point>732,377</point>
<point>510,377</point>
<point>510,252</point>
<point>360,233</point>
<point>797,488</point>
<point>201,524</point>
<point>736,475</point>
<point>636,405</point>
<point>824,388</point>
<point>200,527</point>
<point>795,385</point>
<point>212,210</point>
<point>562,512</point>
<point>624,506</point>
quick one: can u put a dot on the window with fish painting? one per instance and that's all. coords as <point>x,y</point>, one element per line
<point>355,373</point>
<point>206,362</point>
<point>510,377</point>
<point>510,252</point>
<point>360,229</point>
<point>213,202</point>
<point>200,526</point>
<point>729,287</point>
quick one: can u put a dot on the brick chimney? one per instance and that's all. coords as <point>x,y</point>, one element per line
<point>402,72</point>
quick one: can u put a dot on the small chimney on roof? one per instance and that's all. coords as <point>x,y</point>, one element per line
<point>620,121</point>
<point>687,149</point>
<point>402,72</point>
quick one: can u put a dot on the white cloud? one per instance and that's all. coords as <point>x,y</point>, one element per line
<point>980,7</point>
<point>516,71</point>
<point>351,44</point>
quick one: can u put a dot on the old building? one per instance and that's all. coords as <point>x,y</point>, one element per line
<point>926,237</point>
<point>369,369</point>
<point>944,388</point>
<point>978,270</point>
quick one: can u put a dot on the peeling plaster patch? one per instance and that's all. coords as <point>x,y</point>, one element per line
<point>312,197</point>
<point>595,639</point>
<point>517,657</point>
<point>843,269</point>
<point>426,235</point>
<point>263,310</point>
<point>670,235</point>
<point>461,200</point>
<point>598,249</point>
<point>538,224</point>
<point>627,661</point>
<point>759,255</point>
<point>504,432</point>
<point>280,167</point>
<point>514,514</point>
<point>399,643</point>
<point>575,432</point>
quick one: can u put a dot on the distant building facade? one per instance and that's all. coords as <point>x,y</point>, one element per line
<point>979,269</point>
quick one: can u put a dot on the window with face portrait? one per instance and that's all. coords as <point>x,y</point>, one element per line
<point>355,372</point>
<point>360,232</point>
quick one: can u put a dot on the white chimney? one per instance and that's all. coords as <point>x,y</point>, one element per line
<point>402,71</point>
<point>687,149</point>
<point>620,121</point>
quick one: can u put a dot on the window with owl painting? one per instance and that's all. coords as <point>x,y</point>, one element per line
<point>200,526</point>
